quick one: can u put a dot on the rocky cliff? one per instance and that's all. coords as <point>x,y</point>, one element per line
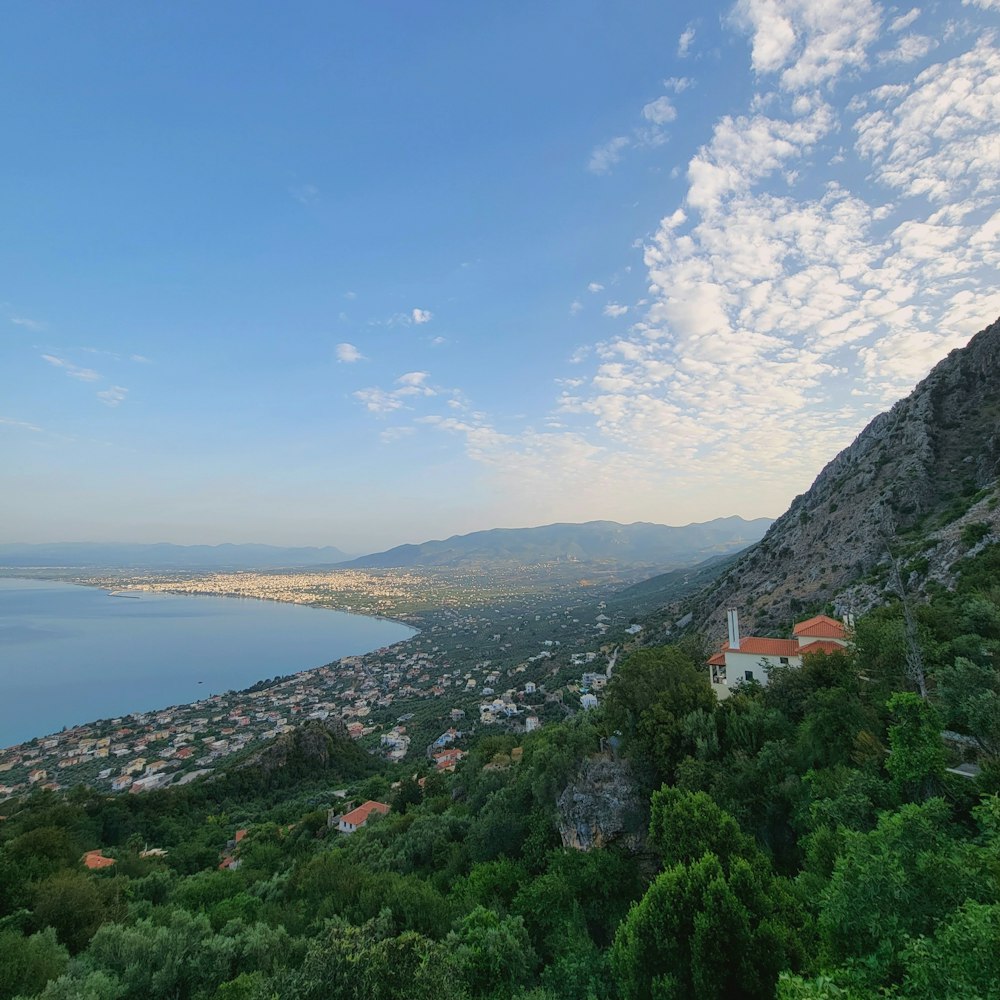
<point>600,806</point>
<point>930,461</point>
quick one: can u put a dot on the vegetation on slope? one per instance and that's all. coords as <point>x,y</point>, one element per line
<point>804,840</point>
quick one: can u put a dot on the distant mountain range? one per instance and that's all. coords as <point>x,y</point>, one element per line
<point>164,556</point>
<point>924,475</point>
<point>654,546</point>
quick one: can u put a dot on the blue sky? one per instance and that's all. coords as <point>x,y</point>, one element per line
<point>364,274</point>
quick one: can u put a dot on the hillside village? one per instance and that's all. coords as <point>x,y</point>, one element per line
<point>436,688</point>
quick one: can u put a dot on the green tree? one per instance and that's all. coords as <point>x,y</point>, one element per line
<point>76,905</point>
<point>960,960</point>
<point>897,881</point>
<point>684,826</point>
<point>916,756</point>
<point>700,932</point>
<point>651,694</point>
<point>493,952</point>
<point>28,963</point>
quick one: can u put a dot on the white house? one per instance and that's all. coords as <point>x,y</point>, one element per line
<point>749,658</point>
<point>357,818</point>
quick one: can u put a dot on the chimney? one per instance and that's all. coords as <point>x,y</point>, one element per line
<point>734,628</point>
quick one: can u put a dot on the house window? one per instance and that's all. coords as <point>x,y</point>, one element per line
<point>748,674</point>
<point>784,660</point>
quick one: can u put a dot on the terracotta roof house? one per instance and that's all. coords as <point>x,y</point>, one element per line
<point>95,860</point>
<point>357,818</point>
<point>446,760</point>
<point>749,658</point>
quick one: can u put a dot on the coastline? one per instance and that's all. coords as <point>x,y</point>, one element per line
<point>118,587</point>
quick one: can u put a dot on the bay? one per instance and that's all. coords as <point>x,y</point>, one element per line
<point>72,654</point>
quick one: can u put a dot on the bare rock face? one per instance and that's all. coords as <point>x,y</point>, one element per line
<point>939,445</point>
<point>600,806</point>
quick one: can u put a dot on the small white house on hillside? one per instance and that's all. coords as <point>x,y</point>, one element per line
<point>748,658</point>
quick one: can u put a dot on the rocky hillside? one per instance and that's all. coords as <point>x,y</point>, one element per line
<point>924,474</point>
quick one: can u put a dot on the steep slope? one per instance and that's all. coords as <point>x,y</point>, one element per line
<point>639,544</point>
<point>922,464</point>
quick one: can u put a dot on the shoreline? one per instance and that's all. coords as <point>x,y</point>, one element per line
<point>245,690</point>
<point>252,597</point>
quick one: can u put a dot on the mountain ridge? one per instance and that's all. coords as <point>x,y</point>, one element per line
<point>642,543</point>
<point>931,460</point>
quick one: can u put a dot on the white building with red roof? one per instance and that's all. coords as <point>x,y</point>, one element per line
<point>357,818</point>
<point>749,658</point>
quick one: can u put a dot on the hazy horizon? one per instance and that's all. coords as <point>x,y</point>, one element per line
<point>333,544</point>
<point>371,275</point>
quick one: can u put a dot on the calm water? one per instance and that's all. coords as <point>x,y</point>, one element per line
<point>75,654</point>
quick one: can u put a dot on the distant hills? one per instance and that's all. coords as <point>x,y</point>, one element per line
<point>924,475</point>
<point>653,546</point>
<point>165,556</point>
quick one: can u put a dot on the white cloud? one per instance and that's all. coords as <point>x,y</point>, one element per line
<point>768,310</point>
<point>685,42</point>
<point>29,324</point>
<point>902,22</point>
<point>20,424</point>
<point>421,316</point>
<point>782,308</point>
<point>140,359</point>
<point>348,354</point>
<point>113,396</point>
<point>660,112</point>
<point>595,286</point>
<point>982,4</point>
<point>929,139</point>
<point>408,387</point>
<point>72,370</point>
<point>415,381</point>
<point>910,49</point>
<point>575,307</point>
<point>811,42</point>
<point>603,158</point>
<point>743,150</point>
<point>378,401</point>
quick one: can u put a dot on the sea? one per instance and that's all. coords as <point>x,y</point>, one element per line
<point>72,654</point>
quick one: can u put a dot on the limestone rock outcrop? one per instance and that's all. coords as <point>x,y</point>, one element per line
<point>932,453</point>
<point>600,806</point>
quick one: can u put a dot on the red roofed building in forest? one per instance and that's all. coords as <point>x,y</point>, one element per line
<point>95,860</point>
<point>749,658</point>
<point>357,818</point>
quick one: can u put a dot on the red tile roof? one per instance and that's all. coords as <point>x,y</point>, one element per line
<point>763,646</point>
<point>358,817</point>
<point>95,860</point>
<point>822,646</point>
<point>821,627</point>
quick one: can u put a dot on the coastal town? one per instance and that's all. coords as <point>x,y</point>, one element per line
<point>495,656</point>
